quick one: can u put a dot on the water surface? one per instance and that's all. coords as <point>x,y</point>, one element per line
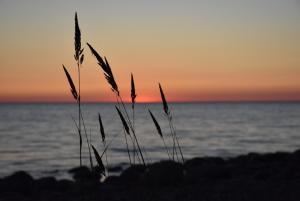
<point>42,138</point>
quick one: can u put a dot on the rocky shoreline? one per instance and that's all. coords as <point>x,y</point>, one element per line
<point>255,177</point>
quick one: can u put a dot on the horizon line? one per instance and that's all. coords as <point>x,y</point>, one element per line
<point>152,102</point>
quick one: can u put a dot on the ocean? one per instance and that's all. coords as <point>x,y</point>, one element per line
<point>42,138</point>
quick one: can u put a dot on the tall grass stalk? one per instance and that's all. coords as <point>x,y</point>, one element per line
<point>87,141</point>
<point>103,63</point>
<point>75,96</point>
<point>133,97</point>
<point>168,115</point>
<point>126,131</point>
<point>172,129</point>
<point>131,128</point>
<point>159,132</point>
<point>80,139</point>
<point>101,167</point>
<point>79,57</point>
<point>124,127</point>
<point>103,138</point>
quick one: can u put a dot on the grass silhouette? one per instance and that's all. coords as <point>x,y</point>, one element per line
<point>171,125</point>
<point>103,63</point>
<point>128,123</point>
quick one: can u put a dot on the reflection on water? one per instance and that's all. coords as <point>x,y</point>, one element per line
<point>42,138</point>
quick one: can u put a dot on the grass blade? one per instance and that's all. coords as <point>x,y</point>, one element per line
<point>106,68</point>
<point>133,94</point>
<point>160,133</point>
<point>126,128</point>
<point>81,59</point>
<point>71,83</point>
<point>101,128</point>
<point>156,124</point>
<point>163,98</point>
<point>77,39</point>
<point>99,161</point>
<point>167,112</point>
<point>123,121</point>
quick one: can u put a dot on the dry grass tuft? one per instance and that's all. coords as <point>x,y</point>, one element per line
<point>159,132</point>
<point>164,101</point>
<point>101,128</point>
<point>71,83</point>
<point>172,128</point>
<point>77,40</point>
<point>125,125</point>
<point>106,68</point>
<point>156,124</point>
<point>101,167</point>
<point>133,94</point>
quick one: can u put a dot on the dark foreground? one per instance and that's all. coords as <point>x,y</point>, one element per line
<point>252,177</point>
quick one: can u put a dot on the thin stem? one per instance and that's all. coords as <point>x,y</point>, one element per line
<point>79,108</point>
<point>174,130</point>
<point>104,144</point>
<point>80,139</point>
<point>146,155</point>
<point>130,125</point>
<point>133,141</point>
<point>91,159</point>
<point>108,144</point>
<point>127,146</point>
<point>87,141</point>
<point>124,134</point>
<point>166,148</point>
<point>173,138</point>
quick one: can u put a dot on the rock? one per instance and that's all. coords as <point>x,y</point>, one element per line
<point>164,173</point>
<point>46,184</point>
<point>132,174</point>
<point>64,185</point>
<point>115,169</point>
<point>83,173</point>
<point>112,180</point>
<point>203,161</point>
<point>20,182</point>
<point>14,196</point>
<point>258,177</point>
<point>200,170</point>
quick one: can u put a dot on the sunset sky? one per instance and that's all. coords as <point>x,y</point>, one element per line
<point>198,50</point>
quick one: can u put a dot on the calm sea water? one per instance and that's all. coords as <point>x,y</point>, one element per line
<point>42,138</point>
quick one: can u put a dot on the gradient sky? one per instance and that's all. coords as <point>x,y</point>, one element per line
<point>199,50</point>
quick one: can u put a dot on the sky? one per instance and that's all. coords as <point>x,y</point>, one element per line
<point>210,50</point>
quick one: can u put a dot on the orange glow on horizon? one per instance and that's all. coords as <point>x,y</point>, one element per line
<point>201,51</point>
<point>171,96</point>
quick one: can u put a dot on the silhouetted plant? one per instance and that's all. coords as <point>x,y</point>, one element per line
<point>79,57</point>
<point>127,122</point>
<point>126,131</point>
<point>172,129</point>
<point>103,63</point>
<point>102,133</point>
<point>79,60</point>
<point>133,97</point>
<point>100,169</point>
<point>159,132</point>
